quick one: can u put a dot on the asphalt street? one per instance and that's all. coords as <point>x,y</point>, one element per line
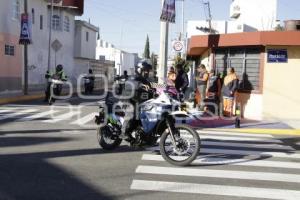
<point>51,153</point>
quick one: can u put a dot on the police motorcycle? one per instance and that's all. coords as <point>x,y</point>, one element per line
<point>54,84</point>
<point>153,120</point>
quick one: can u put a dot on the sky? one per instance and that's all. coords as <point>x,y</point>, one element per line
<point>126,23</point>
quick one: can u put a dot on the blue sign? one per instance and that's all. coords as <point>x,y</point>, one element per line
<point>277,56</point>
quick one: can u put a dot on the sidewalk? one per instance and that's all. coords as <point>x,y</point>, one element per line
<point>289,127</point>
<point>21,97</point>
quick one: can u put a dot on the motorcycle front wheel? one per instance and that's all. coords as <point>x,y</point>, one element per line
<point>106,139</point>
<point>187,146</point>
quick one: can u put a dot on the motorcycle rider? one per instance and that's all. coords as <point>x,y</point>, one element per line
<point>141,88</point>
<point>89,86</point>
<point>58,75</point>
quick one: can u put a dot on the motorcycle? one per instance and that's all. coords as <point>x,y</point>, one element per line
<point>54,89</point>
<point>88,84</point>
<point>179,144</point>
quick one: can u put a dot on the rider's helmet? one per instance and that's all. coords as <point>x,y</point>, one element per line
<point>59,68</point>
<point>144,67</point>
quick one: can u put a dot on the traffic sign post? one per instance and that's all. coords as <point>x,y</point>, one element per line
<point>56,46</point>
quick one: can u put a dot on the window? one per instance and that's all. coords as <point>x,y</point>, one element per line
<point>16,9</point>
<point>55,22</point>
<point>87,36</point>
<point>9,50</point>
<point>246,63</point>
<point>298,27</point>
<point>67,24</point>
<point>32,16</point>
<point>41,22</point>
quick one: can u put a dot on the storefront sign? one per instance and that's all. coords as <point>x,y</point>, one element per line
<point>277,56</point>
<point>25,36</point>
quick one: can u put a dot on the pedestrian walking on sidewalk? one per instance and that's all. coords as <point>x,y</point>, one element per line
<point>229,89</point>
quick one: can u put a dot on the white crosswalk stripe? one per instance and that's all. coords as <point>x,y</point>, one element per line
<point>257,139</point>
<point>37,116</point>
<point>241,162</point>
<point>62,117</point>
<point>74,115</point>
<point>18,113</point>
<point>85,119</point>
<point>260,160</point>
<point>264,176</point>
<point>251,192</point>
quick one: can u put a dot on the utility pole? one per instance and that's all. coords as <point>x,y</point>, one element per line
<point>50,37</point>
<point>163,53</point>
<point>209,17</point>
<point>182,35</point>
<point>25,89</point>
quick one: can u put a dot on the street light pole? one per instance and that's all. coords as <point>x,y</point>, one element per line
<point>163,53</point>
<point>25,89</point>
<point>50,37</point>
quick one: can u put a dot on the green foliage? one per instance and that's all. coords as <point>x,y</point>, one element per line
<point>147,49</point>
<point>180,61</point>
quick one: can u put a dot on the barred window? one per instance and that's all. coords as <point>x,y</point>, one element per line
<point>67,24</point>
<point>55,22</point>
<point>9,50</point>
<point>245,61</point>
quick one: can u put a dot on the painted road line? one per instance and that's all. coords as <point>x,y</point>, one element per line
<point>216,137</point>
<point>15,114</point>
<point>85,119</point>
<point>215,132</point>
<point>5,111</point>
<point>192,188</point>
<point>274,147</point>
<point>245,153</point>
<point>61,117</point>
<point>226,161</point>
<point>216,151</point>
<point>228,174</point>
<point>263,131</point>
<point>37,116</point>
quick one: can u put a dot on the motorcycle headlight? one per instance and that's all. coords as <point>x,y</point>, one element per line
<point>147,107</point>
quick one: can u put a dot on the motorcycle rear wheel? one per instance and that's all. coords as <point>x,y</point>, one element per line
<point>105,140</point>
<point>182,150</point>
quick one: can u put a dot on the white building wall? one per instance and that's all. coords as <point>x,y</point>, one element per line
<point>261,15</point>
<point>85,46</point>
<point>8,24</point>
<point>123,60</point>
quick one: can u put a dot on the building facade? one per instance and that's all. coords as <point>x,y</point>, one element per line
<point>11,53</point>
<point>123,60</point>
<point>267,65</point>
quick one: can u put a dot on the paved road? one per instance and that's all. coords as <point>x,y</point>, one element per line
<point>52,153</point>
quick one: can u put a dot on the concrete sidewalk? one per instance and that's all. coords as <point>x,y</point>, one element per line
<point>287,127</point>
<point>21,97</point>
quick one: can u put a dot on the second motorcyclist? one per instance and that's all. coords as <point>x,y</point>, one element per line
<point>58,75</point>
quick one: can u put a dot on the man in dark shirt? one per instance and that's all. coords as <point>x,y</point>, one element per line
<point>181,81</point>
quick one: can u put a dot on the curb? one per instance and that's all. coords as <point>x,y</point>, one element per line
<point>293,132</point>
<point>15,99</point>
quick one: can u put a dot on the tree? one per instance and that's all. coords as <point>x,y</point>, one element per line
<point>279,28</point>
<point>147,49</point>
